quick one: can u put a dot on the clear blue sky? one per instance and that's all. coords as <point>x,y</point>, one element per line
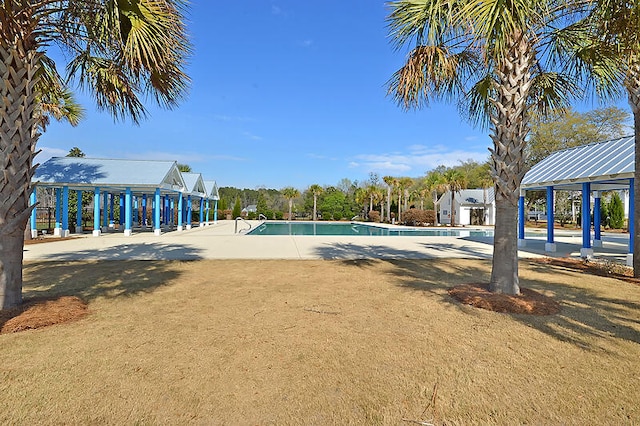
<point>284,93</point>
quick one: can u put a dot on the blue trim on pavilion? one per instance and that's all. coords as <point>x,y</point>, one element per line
<point>589,169</point>
<point>145,191</point>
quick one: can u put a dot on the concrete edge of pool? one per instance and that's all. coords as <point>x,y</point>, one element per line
<point>218,241</point>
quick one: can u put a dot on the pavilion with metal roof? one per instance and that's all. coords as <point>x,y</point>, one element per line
<point>591,169</point>
<point>212,194</point>
<point>133,181</point>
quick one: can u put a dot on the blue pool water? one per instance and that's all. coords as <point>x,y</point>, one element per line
<point>355,229</point>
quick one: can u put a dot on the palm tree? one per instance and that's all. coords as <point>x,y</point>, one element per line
<point>290,193</point>
<point>612,55</point>
<point>315,190</point>
<point>120,52</point>
<point>496,58</point>
<point>391,182</point>
<point>455,182</point>
<point>422,194</point>
<point>403,185</point>
<point>378,199</point>
<point>435,183</point>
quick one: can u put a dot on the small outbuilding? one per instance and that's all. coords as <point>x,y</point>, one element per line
<point>470,207</point>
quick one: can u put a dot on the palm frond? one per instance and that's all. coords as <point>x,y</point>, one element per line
<point>431,72</point>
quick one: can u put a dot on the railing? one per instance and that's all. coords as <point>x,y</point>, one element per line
<point>262,217</point>
<point>355,217</point>
<point>242,219</point>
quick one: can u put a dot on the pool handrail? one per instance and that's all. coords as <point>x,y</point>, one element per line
<point>262,217</point>
<point>242,219</point>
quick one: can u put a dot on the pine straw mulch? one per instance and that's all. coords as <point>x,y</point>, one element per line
<point>38,313</point>
<point>531,302</point>
<point>527,302</point>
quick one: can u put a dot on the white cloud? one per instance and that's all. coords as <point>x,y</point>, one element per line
<point>416,160</point>
<point>305,43</point>
<point>275,10</point>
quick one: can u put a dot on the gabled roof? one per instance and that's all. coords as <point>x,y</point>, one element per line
<point>472,197</point>
<point>212,189</point>
<point>87,173</point>
<point>194,184</point>
<point>607,165</point>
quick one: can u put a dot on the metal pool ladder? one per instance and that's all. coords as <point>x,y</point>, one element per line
<point>245,229</point>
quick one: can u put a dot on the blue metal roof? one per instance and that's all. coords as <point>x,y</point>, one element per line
<point>86,173</point>
<point>606,165</point>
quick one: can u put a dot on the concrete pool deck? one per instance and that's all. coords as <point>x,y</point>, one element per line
<point>218,241</point>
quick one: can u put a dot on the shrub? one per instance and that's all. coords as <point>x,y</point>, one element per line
<point>237,209</point>
<point>417,217</point>
<point>374,216</point>
<point>616,212</point>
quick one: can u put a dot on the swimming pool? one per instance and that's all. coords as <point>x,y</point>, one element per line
<point>358,229</point>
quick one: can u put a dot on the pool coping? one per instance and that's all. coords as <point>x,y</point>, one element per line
<point>218,241</point>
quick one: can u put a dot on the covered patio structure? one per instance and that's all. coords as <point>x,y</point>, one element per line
<point>147,192</point>
<point>590,169</point>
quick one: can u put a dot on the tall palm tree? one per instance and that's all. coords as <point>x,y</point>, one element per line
<point>422,194</point>
<point>378,199</point>
<point>612,55</point>
<point>120,52</point>
<point>290,193</point>
<point>406,183</point>
<point>390,181</point>
<point>315,190</point>
<point>434,182</point>
<point>494,56</point>
<point>455,182</point>
<point>363,199</point>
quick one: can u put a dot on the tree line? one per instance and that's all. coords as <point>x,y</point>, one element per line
<point>388,198</point>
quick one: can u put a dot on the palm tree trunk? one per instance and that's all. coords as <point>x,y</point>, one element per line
<point>504,270</point>
<point>632,83</point>
<point>389,204</point>
<point>510,124</point>
<point>290,207</point>
<point>315,201</point>
<point>435,207</point>
<point>399,204</point>
<point>18,127</point>
<point>453,208</point>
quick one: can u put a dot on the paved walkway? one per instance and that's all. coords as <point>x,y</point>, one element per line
<point>218,241</point>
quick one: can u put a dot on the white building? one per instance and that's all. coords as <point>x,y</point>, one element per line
<point>472,207</point>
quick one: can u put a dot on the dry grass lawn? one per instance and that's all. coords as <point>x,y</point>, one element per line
<point>320,342</point>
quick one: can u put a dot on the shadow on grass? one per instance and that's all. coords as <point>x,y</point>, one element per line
<point>110,276</point>
<point>382,251</point>
<point>135,251</point>
<point>588,319</point>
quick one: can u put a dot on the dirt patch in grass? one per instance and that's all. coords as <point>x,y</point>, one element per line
<point>34,314</point>
<point>527,302</point>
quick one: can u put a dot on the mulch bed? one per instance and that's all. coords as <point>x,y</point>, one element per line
<point>591,267</point>
<point>33,314</point>
<point>527,302</point>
